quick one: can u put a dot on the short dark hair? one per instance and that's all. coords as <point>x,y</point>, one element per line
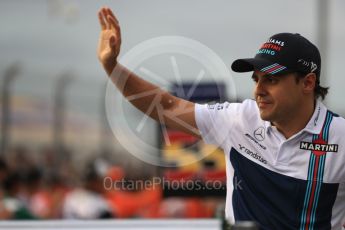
<point>319,90</point>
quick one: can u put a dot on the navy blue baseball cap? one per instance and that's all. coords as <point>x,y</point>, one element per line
<point>283,53</point>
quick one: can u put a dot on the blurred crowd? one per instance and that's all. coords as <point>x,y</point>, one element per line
<point>44,186</point>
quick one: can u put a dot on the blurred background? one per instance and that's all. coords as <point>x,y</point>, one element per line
<point>56,144</point>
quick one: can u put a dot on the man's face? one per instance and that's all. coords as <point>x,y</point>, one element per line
<point>278,97</point>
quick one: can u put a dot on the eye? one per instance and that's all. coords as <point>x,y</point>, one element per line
<point>255,79</point>
<point>272,80</point>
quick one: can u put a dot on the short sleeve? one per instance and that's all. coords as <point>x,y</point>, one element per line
<point>215,121</point>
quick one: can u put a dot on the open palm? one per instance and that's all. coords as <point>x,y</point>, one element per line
<point>109,39</point>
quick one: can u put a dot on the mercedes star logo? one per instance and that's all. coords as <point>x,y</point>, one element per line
<point>259,134</point>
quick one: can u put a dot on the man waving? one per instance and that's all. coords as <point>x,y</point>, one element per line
<point>285,147</point>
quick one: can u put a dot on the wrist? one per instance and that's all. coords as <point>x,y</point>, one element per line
<point>109,66</point>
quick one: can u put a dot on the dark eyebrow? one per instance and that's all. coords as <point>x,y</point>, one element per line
<point>254,76</point>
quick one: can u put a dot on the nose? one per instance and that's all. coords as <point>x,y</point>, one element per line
<point>259,89</point>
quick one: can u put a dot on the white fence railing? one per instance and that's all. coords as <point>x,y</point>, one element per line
<point>195,224</point>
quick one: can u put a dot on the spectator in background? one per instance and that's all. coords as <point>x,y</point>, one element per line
<point>5,213</point>
<point>87,202</point>
<point>46,193</point>
<point>12,200</point>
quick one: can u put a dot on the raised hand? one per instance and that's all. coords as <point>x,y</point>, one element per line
<point>109,39</point>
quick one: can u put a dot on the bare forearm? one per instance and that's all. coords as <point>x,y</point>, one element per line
<point>155,102</point>
<point>144,95</point>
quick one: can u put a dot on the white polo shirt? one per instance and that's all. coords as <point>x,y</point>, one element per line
<point>295,183</point>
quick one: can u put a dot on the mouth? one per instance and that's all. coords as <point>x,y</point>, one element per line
<point>263,104</point>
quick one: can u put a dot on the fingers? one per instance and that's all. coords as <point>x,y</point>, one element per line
<point>107,19</point>
<point>114,26</point>
<point>112,23</point>
<point>101,20</point>
<point>111,19</point>
<point>111,14</point>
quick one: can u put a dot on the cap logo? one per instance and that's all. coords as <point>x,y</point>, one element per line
<point>275,41</point>
<point>273,69</point>
<point>271,47</point>
<point>311,65</point>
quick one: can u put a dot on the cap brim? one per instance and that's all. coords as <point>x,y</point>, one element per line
<point>249,64</point>
<point>263,65</point>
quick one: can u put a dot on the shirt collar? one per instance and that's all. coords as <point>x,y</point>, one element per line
<point>316,121</point>
<point>315,124</point>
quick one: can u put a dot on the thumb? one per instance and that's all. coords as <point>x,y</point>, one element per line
<point>112,42</point>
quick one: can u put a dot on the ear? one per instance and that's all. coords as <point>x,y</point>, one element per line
<point>309,83</point>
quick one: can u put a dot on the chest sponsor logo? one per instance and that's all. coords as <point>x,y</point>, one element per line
<point>255,141</point>
<point>319,147</point>
<point>259,134</point>
<point>254,155</point>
